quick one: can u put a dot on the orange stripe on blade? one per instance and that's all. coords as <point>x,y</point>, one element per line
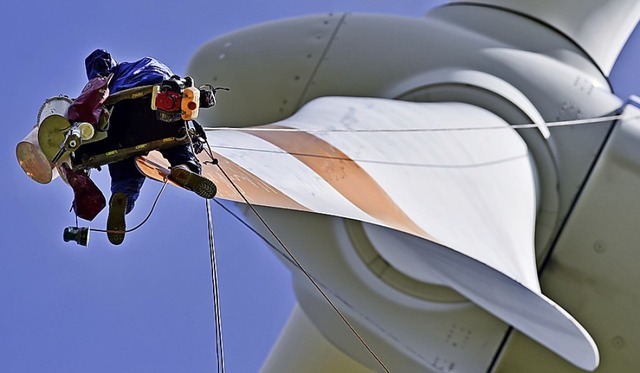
<point>345,175</point>
<point>256,190</point>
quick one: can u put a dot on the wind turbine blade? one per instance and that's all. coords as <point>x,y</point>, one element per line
<point>601,28</point>
<point>452,185</point>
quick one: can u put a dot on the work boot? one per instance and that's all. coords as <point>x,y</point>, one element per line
<point>190,180</point>
<point>116,225</point>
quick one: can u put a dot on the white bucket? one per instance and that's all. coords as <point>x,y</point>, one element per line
<point>30,156</point>
<point>58,105</point>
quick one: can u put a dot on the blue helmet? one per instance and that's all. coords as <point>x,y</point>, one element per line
<point>99,63</point>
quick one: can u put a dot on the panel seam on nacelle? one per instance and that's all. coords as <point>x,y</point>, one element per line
<point>307,86</point>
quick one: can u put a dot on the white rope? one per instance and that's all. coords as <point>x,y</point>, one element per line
<point>573,122</point>
<point>216,292</point>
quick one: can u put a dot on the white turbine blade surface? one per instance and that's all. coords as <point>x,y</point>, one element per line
<point>449,172</point>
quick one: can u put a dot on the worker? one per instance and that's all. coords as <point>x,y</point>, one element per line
<point>129,118</point>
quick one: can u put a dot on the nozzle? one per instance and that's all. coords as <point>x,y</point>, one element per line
<point>86,131</point>
<point>78,234</point>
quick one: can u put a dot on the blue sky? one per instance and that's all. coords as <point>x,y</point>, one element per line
<point>144,306</point>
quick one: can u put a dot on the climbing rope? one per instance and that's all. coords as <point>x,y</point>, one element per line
<point>215,290</point>
<point>214,274</point>
<point>388,162</point>
<point>565,123</point>
<point>296,262</point>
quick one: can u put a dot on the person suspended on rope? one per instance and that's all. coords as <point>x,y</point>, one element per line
<point>130,117</point>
